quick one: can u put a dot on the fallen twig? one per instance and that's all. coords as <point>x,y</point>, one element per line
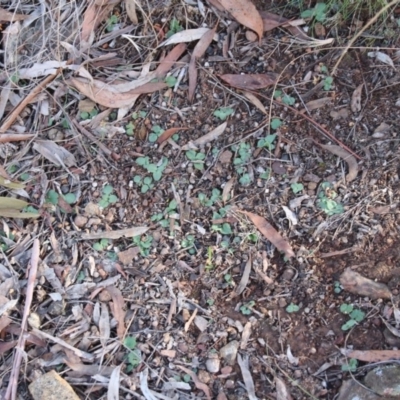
<point>89,135</point>
<point>33,266</point>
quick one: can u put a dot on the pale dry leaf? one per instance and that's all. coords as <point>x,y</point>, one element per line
<point>245,278</point>
<point>43,69</point>
<point>256,102</point>
<point>355,104</point>
<point>148,395</point>
<point>111,95</point>
<point>210,136</point>
<point>4,96</point>
<point>198,52</point>
<point>372,355</point>
<point>130,6</point>
<point>355,283</point>
<point>246,13</point>
<point>382,57</point>
<point>247,378</point>
<point>291,358</point>
<point>200,385</point>
<point>346,156</point>
<point>113,384</point>
<point>117,234</point>
<point>188,35</point>
<point>271,21</point>
<point>290,215</point>
<point>318,103</point>
<point>226,192</point>
<point>168,134</point>
<point>118,309</point>
<point>54,153</point>
<point>381,130</point>
<point>7,16</point>
<point>245,336</point>
<point>250,81</point>
<point>104,324</point>
<point>282,392</point>
<point>270,233</point>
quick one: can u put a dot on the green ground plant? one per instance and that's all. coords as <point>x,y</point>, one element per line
<point>108,197</point>
<point>355,314</point>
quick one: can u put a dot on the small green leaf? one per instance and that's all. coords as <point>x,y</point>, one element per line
<point>191,155</point>
<point>357,315</point>
<point>103,203</point>
<point>170,81</point>
<point>223,113</point>
<point>349,324</point>
<point>70,198</point>
<point>84,115</point>
<point>157,175</point>
<point>351,366</point>
<point>297,187</point>
<point>245,180</point>
<point>52,197</point>
<point>153,137</point>
<point>346,308</point>
<point>97,246</point>
<point>107,189</point>
<point>144,189</point>
<point>142,161</point>
<point>288,100</point>
<point>137,179</point>
<point>226,229</point>
<point>275,123</point>
<point>130,342</point>
<point>112,198</point>
<point>292,308</point>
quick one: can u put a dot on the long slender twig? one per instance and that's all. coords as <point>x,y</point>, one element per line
<point>11,393</point>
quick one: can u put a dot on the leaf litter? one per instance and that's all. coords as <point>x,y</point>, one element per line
<point>142,267</point>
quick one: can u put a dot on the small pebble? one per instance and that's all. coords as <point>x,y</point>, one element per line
<point>204,376</point>
<point>80,221</point>
<point>251,36</point>
<point>213,363</point>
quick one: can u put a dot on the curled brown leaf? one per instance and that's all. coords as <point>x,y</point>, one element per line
<point>346,156</point>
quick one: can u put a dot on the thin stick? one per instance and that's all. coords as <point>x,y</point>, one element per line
<point>13,383</point>
<point>101,146</point>
<point>355,37</point>
<point>23,103</point>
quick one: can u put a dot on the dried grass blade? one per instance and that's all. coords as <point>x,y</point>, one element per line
<point>169,133</point>
<point>7,16</point>
<point>254,99</point>
<point>245,278</point>
<point>117,234</point>
<point>15,137</point>
<point>247,378</point>
<point>130,6</point>
<point>188,35</point>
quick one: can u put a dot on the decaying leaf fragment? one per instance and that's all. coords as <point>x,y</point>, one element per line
<point>354,282</point>
<point>270,233</point>
<point>372,355</point>
<point>54,153</point>
<point>194,144</point>
<point>350,160</point>
<point>355,104</point>
<point>251,81</point>
<point>119,233</point>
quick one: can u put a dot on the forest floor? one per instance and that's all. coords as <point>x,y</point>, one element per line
<point>198,192</point>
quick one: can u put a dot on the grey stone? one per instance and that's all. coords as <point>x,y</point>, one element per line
<point>229,352</point>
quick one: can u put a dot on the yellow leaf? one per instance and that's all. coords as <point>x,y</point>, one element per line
<point>10,203</point>
<point>11,185</point>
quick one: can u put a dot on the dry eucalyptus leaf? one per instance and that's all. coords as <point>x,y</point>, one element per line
<point>113,384</point>
<point>54,153</point>
<point>245,12</point>
<point>104,324</point>
<point>250,81</point>
<point>244,280</point>
<point>254,99</point>
<point>130,6</point>
<point>118,309</point>
<point>342,113</point>
<point>210,136</point>
<point>188,35</point>
<point>318,103</point>
<point>270,233</point>
<point>247,378</point>
<point>382,57</point>
<point>346,156</point>
<point>356,99</point>
<point>372,355</point>
<point>7,16</point>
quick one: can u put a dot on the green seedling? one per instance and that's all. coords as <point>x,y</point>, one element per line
<point>275,123</point>
<point>174,27</point>
<point>210,302</point>
<point>107,197</point>
<point>65,124</point>
<point>328,83</point>
<point>209,202</point>
<point>88,115</point>
<point>337,287</point>
<point>136,115</point>
<point>188,244</point>
<point>144,244</point>
<point>318,12</point>
<point>12,169</point>
<point>209,262</point>
<point>355,315</point>
<point>245,309</point>
<point>267,142</point>
<point>228,279</point>
<point>53,197</point>
<point>162,218</point>
<point>224,228</point>
<point>223,113</point>
<point>284,98</point>
<point>243,155</point>
<point>129,128</point>
<point>266,174</point>
<point>145,183</point>
<point>292,308</point>
<point>24,177</point>
<point>133,357</point>
<point>197,158</point>
<point>170,81</point>
<point>156,132</point>
<point>155,169</point>
<point>297,187</point>
<point>31,209</point>
<point>111,22</point>
<point>350,366</point>
<point>101,245</point>
<point>81,277</point>
<point>326,202</point>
